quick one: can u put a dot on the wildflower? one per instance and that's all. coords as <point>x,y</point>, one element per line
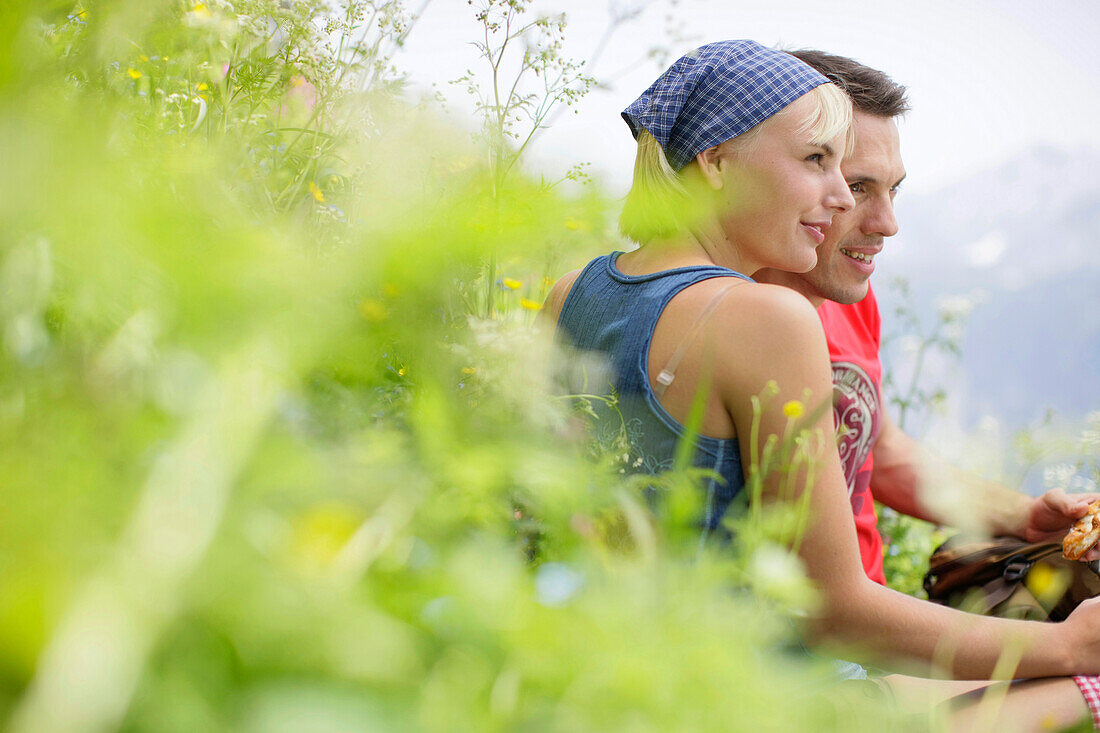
<point>143,58</point>
<point>302,94</point>
<point>793,409</point>
<point>402,372</point>
<point>556,584</point>
<point>577,225</point>
<point>469,370</point>
<point>1058,475</point>
<point>317,193</point>
<point>1045,582</point>
<point>512,284</point>
<point>321,532</point>
<point>134,73</point>
<point>202,86</point>
<point>531,305</point>
<point>956,307</point>
<point>373,310</point>
<point>779,575</point>
<point>201,10</point>
<point>1090,435</point>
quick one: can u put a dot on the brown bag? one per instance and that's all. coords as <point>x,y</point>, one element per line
<point>1005,576</point>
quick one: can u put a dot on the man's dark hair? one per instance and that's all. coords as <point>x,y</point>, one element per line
<point>871,91</point>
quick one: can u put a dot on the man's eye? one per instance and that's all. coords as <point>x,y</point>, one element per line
<point>856,187</point>
<point>815,158</point>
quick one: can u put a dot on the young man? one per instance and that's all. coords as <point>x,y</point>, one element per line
<point>880,461</point>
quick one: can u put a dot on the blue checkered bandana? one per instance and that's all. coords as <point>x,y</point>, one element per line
<point>715,93</point>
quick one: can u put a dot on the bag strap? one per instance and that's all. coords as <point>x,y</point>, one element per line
<point>1015,570</point>
<point>957,560</point>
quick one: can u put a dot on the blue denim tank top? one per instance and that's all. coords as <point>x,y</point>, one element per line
<point>614,315</point>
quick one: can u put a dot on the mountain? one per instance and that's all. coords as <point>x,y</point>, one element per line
<point>1020,241</point>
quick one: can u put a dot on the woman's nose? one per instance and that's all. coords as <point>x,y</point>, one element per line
<point>839,197</point>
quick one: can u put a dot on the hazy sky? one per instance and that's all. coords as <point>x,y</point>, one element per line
<point>987,78</point>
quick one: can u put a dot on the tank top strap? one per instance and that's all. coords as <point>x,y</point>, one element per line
<point>610,311</point>
<point>668,373</point>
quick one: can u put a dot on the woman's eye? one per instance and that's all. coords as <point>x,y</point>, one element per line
<point>815,158</point>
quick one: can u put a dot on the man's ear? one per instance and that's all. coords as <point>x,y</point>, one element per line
<point>710,163</point>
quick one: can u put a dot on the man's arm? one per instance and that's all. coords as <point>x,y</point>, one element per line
<point>902,468</point>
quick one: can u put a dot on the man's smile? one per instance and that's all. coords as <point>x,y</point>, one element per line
<point>860,256</point>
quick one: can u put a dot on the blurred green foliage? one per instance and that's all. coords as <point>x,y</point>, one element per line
<point>277,453</point>
<point>277,449</point>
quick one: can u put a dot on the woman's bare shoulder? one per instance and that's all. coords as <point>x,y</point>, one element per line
<point>773,310</point>
<point>770,332</point>
<point>555,299</point>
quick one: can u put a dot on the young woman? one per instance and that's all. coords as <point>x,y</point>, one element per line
<point>739,149</point>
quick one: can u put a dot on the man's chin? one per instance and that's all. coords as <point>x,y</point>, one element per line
<point>852,297</point>
<point>847,295</point>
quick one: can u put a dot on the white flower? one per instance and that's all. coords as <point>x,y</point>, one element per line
<point>1058,475</point>
<point>556,583</point>
<point>958,307</point>
<point>778,574</point>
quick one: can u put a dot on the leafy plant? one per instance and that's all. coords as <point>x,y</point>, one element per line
<point>909,542</point>
<point>262,463</point>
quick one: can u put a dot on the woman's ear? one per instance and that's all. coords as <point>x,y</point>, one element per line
<point>710,163</point>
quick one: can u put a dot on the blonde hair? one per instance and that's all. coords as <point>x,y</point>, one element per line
<point>661,204</point>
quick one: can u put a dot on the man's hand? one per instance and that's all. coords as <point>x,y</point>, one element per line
<point>1050,516</point>
<point>1084,642</point>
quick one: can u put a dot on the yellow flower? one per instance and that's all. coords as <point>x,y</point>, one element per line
<point>83,15</point>
<point>577,225</point>
<point>1047,583</point>
<point>469,370</point>
<point>202,86</point>
<point>317,194</point>
<point>134,73</point>
<point>143,58</point>
<point>793,409</point>
<point>402,372</point>
<point>201,9</point>
<point>373,310</point>
<point>512,284</point>
<point>319,533</point>
<point>531,305</point>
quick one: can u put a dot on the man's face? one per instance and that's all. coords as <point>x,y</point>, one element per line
<point>845,260</point>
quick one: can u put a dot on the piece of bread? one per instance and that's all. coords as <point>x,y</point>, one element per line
<point>1084,534</point>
